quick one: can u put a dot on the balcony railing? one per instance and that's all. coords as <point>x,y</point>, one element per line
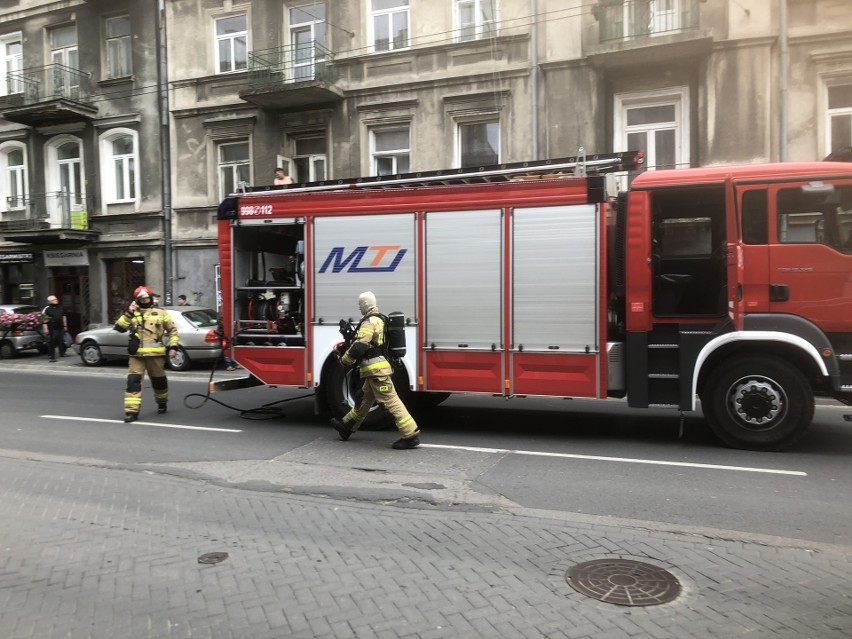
<point>272,68</point>
<point>629,19</point>
<point>44,212</point>
<point>51,82</point>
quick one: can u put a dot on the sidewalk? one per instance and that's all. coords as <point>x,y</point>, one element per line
<point>72,363</point>
<point>88,550</point>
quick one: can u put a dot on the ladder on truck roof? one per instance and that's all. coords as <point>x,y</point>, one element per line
<point>579,165</point>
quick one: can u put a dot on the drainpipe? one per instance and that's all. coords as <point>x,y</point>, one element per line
<point>534,79</point>
<point>784,63</point>
<point>165,149</point>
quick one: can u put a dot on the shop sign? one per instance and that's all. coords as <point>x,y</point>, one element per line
<point>16,258</point>
<point>72,257</point>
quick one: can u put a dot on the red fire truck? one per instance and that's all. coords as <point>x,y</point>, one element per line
<point>729,284</point>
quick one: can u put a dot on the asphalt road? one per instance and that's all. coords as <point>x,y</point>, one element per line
<point>598,458</point>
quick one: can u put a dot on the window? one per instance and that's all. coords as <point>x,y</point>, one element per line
<point>118,43</point>
<point>307,39</point>
<point>657,125</point>
<point>233,166</point>
<point>65,58</point>
<point>118,166</point>
<point>390,151</point>
<point>11,58</point>
<point>309,160</point>
<point>389,23</point>
<point>64,173</point>
<point>13,182</point>
<point>839,116</point>
<point>478,143</point>
<point>475,19</point>
<point>819,216</point>
<point>755,217</point>
<point>231,44</point>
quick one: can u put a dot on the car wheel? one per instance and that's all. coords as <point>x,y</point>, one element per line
<point>179,361</point>
<point>91,354</point>
<point>7,351</point>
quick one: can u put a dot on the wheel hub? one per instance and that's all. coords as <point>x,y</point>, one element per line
<point>757,402</point>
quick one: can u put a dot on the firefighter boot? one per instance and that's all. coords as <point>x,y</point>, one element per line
<point>342,428</point>
<point>130,417</point>
<point>162,407</point>
<point>404,443</point>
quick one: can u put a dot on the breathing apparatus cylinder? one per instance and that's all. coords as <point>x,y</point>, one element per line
<point>396,335</point>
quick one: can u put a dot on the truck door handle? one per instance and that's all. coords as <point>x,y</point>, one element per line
<point>779,292</point>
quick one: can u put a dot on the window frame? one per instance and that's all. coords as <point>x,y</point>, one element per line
<point>305,68</point>
<point>479,24</point>
<point>109,174</point>
<point>124,48</point>
<point>404,7</point>
<point>308,162</point>
<point>831,113</point>
<point>11,63</point>
<point>678,97</point>
<point>21,176</point>
<point>393,155</point>
<point>232,167</point>
<point>232,37</point>
<point>485,119</point>
<point>53,178</point>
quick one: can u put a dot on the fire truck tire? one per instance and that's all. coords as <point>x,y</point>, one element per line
<point>343,392</point>
<point>758,404</point>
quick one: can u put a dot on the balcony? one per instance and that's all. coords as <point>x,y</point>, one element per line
<point>627,19</point>
<point>42,218</point>
<point>662,30</point>
<point>291,77</point>
<point>52,94</point>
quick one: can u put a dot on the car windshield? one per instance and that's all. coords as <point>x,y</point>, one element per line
<point>201,318</point>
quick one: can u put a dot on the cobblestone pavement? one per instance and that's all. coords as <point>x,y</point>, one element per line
<point>106,552</point>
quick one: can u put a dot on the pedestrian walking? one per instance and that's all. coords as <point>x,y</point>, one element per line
<point>181,300</point>
<point>54,327</point>
<point>152,335</point>
<point>367,351</point>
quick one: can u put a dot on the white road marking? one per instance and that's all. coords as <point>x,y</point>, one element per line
<point>119,421</point>
<point>624,460</point>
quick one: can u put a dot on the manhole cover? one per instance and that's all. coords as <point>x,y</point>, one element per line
<point>624,582</point>
<point>212,557</point>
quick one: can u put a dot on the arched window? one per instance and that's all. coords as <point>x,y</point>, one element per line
<point>66,190</point>
<point>13,181</point>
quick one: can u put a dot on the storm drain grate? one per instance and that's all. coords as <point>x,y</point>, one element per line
<point>212,557</point>
<point>624,582</point>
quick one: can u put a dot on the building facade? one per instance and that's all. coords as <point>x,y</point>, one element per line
<point>339,89</point>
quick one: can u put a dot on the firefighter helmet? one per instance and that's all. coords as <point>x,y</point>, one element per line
<point>142,291</point>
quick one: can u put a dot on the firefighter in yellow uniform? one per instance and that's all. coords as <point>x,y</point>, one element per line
<point>156,335</point>
<point>366,351</point>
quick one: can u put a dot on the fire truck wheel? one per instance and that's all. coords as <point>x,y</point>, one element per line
<point>758,404</point>
<point>343,392</point>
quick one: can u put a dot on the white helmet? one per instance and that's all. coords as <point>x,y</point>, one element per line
<point>366,301</point>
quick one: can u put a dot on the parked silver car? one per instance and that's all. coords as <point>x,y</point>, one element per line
<point>196,328</point>
<point>14,340</point>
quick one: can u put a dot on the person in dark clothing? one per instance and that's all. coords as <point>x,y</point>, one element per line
<point>54,327</point>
